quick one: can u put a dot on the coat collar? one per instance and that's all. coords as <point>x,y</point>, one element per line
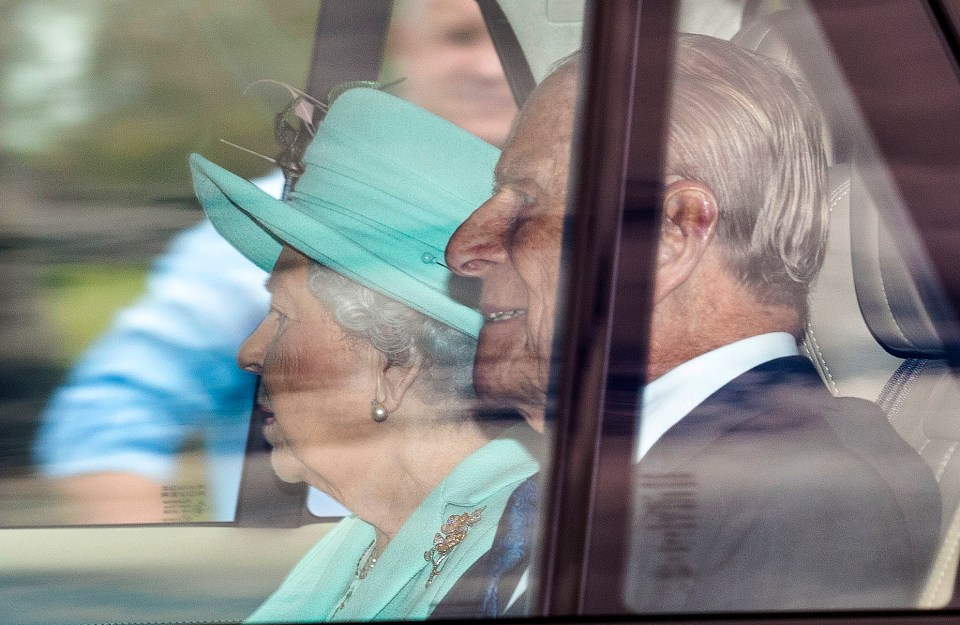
<point>744,398</point>
<point>497,467</point>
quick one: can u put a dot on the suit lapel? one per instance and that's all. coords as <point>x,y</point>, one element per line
<point>737,402</point>
<point>679,503</point>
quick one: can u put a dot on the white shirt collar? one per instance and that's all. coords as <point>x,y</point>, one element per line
<point>673,395</point>
<point>676,393</point>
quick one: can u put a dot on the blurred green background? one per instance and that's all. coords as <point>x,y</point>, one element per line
<point>101,102</point>
<point>108,96</point>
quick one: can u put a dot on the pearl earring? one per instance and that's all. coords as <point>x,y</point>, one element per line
<point>377,412</point>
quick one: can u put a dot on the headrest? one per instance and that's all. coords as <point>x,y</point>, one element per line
<point>895,285</point>
<point>769,36</point>
<point>897,290</point>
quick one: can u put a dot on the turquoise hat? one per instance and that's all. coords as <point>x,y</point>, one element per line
<point>385,185</point>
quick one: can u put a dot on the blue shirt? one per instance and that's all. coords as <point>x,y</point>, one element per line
<point>166,371</point>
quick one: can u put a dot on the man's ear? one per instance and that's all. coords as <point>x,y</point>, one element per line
<point>689,224</point>
<point>393,382</point>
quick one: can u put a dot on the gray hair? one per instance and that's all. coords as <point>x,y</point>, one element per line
<point>404,336</point>
<point>750,129</point>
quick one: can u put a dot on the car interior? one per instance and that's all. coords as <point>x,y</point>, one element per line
<point>876,307</point>
<point>871,333</point>
<point>875,331</point>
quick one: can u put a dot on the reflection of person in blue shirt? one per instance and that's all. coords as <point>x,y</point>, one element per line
<point>166,371</point>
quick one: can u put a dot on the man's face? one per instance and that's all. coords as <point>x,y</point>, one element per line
<point>512,243</point>
<point>443,52</point>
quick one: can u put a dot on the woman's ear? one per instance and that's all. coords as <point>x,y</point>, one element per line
<point>394,382</point>
<point>689,224</point>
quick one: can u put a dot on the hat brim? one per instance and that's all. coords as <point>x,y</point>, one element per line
<point>259,225</point>
<point>224,197</point>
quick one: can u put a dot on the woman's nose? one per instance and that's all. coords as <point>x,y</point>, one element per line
<point>479,243</point>
<point>250,356</point>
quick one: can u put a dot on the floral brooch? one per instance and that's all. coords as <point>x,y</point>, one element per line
<point>451,534</point>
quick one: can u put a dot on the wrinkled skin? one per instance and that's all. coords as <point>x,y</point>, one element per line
<point>512,244</point>
<point>316,384</point>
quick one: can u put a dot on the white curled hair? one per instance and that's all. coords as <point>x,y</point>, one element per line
<point>403,335</point>
<point>750,129</point>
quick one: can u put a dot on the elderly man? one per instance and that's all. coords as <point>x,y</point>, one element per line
<point>790,498</point>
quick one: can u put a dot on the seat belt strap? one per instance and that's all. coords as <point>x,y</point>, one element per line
<point>505,42</point>
<point>348,43</point>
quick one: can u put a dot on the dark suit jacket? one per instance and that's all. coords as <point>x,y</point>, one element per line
<point>773,495</point>
<point>770,495</point>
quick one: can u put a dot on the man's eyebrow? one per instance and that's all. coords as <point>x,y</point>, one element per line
<point>268,284</point>
<point>520,181</point>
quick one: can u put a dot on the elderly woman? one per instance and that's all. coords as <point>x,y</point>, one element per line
<point>365,357</point>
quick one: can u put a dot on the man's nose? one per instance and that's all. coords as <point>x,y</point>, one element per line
<point>250,356</point>
<point>478,244</point>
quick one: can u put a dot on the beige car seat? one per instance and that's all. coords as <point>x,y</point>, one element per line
<point>871,332</point>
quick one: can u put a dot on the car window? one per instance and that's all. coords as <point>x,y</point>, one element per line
<point>772,468</point>
<point>679,339</point>
<point>101,219</point>
<point>130,383</point>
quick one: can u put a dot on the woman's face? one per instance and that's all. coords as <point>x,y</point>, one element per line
<point>317,383</point>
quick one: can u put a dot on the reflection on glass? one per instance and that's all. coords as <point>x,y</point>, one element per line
<point>158,401</point>
<point>99,111</point>
<point>145,412</point>
<point>776,467</point>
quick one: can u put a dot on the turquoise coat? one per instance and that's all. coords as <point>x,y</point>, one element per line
<point>396,588</point>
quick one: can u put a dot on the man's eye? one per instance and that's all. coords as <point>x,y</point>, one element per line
<point>521,212</point>
<point>523,205</point>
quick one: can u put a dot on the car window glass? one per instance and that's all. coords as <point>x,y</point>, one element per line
<point>796,433</point>
<point>139,334</point>
<point>101,104</point>
<point>795,442</point>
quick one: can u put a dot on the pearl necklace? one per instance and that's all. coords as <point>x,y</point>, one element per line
<point>364,565</point>
<point>367,561</point>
